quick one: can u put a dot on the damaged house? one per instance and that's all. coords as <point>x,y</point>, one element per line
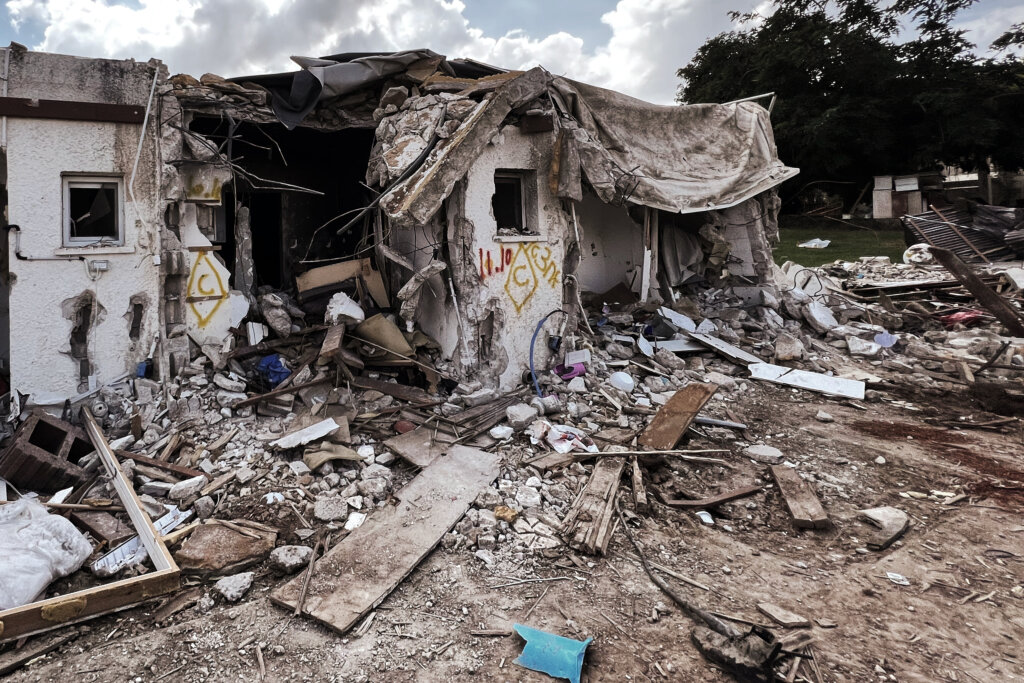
<point>152,217</point>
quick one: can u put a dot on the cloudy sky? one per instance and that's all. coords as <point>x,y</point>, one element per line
<point>631,45</point>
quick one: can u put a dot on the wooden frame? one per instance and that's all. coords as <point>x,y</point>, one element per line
<point>62,610</point>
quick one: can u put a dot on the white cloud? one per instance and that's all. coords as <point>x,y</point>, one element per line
<point>986,28</point>
<point>649,39</point>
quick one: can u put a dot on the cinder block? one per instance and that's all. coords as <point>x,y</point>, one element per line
<point>44,455</point>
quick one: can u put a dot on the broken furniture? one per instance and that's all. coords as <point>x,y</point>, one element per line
<point>59,611</point>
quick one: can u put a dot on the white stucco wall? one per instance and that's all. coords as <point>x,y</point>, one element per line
<point>38,152</point>
<point>612,246</point>
<point>524,281</point>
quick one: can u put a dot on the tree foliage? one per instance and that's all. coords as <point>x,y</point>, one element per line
<point>854,101</point>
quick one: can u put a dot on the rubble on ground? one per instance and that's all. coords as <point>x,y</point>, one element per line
<point>273,469</point>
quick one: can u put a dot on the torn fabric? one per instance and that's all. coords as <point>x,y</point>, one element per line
<point>681,159</point>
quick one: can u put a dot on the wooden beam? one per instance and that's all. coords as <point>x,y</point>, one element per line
<point>278,392</point>
<point>674,418</point>
<point>359,572</point>
<point>803,505</point>
<point>587,526</point>
<point>65,110</point>
<point>399,391</point>
<point>186,472</point>
<point>713,500</point>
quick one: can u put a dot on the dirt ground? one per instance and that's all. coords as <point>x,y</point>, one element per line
<point>958,620</point>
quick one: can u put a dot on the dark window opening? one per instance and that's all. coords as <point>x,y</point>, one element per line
<point>507,202</point>
<point>92,211</point>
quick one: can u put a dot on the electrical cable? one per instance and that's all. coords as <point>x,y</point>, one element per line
<point>533,342</point>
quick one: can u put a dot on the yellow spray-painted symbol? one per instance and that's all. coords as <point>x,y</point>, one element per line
<point>206,291</point>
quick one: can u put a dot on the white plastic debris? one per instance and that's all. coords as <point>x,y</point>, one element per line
<point>35,549</point>
<point>622,381</point>
<point>898,579</point>
<point>816,243</point>
<point>342,309</point>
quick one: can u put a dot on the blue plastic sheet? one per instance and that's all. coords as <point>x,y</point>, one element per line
<point>550,654</point>
<point>273,370</point>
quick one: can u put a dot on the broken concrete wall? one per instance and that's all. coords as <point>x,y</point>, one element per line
<point>420,244</point>
<point>518,277</point>
<point>748,227</point>
<point>116,277</point>
<point>612,246</point>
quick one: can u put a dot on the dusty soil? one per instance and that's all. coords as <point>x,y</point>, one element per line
<point>957,620</point>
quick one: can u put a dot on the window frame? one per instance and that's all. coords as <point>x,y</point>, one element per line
<point>91,181</point>
<point>526,180</point>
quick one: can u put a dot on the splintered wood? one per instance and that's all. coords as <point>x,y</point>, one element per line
<point>588,525</point>
<point>674,418</point>
<point>803,505</point>
<point>364,567</point>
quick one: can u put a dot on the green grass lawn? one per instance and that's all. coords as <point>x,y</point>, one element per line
<point>848,244</point>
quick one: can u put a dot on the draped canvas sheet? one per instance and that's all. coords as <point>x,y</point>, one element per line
<point>681,159</point>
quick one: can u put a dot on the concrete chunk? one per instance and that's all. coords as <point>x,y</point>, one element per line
<point>782,616</point>
<point>892,522</point>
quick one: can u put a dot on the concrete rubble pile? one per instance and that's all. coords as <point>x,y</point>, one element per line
<point>315,447</point>
<point>287,459</point>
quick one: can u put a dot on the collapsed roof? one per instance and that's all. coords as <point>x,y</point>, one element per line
<point>682,159</point>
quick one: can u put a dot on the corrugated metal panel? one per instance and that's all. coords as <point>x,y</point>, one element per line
<point>951,229</point>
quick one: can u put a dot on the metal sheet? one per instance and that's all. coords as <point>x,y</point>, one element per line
<point>814,381</point>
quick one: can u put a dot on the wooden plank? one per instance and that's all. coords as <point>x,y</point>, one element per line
<point>587,526</point>
<point>329,277</point>
<point>713,500</point>
<point>186,472</point>
<point>64,110</point>
<point>813,381</point>
<point>419,446</point>
<point>15,659</point>
<point>674,418</point>
<point>330,350</point>
<point>360,571</point>
<point>400,391</point>
<point>639,490</point>
<point>804,506</point>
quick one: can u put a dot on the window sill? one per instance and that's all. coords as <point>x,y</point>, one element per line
<point>86,250</point>
<point>520,238</point>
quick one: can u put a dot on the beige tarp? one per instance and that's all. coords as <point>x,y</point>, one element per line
<point>676,158</point>
<point>680,159</point>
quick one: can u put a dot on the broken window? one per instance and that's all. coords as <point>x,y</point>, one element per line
<point>92,211</point>
<point>514,202</point>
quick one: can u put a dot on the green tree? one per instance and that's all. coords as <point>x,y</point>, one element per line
<point>852,100</point>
